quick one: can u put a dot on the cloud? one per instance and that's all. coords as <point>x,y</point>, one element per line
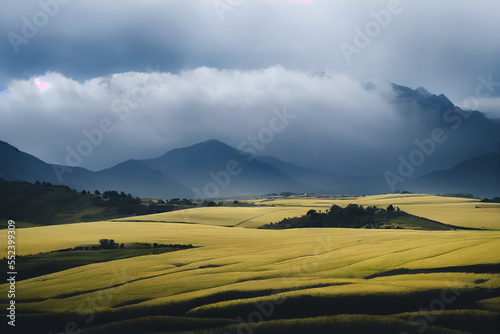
<point>424,44</point>
<point>152,112</point>
<point>172,73</point>
<point>489,106</point>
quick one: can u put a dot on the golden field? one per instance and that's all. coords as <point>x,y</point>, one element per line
<point>448,210</point>
<point>272,257</point>
<point>225,216</point>
<point>232,269</point>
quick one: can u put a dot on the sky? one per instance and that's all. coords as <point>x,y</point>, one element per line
<point>138,78</point>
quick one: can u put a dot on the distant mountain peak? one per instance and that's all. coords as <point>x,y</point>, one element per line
<point>423,92</point>
<point>6,146</point>
<point>423,97</point>
<point>211,142</point>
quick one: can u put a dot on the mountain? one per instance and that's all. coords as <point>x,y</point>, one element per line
<point>440,139</point>
<point>131,177</point>
<point>478,176</point>
<point>21,166</point>
<point>205,170</point>
<point>134,177</point>
<point>326,183</point>
<point>214,169</point>
<point>323,182</point>
<point>17,165</point>
<point>466,133</point>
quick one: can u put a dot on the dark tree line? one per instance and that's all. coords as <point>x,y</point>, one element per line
<point>352,216</point>
<point>125,204</point>
<point>491,200</point>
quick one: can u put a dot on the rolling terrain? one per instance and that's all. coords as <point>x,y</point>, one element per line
<point>236,269</point>
<point>268,281</point>
<point>47,204</point>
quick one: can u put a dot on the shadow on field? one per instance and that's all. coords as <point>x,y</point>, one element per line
<point>376,313</point>
<point>304,306</point>
<point>490,268</point>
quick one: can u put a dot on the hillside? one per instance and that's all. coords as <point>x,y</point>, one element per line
<point>46,204</point>
<point>357,216</point>
<point>316,280</point>
<point>479,175</point>
<point>43,204</point>
<point>215,169</point>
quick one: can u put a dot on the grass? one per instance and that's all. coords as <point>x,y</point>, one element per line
<point>316,279</point>
<point>463,212</point>
<point>224,216</point>
<point>42,205</point>
<point>46,263</point>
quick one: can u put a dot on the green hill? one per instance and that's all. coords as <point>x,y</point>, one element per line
<point>357,216</point>
<point>46,204</point>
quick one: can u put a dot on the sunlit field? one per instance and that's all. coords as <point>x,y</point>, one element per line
<point>448,210</point>
<point>312,278</point>
<point>226,216</point>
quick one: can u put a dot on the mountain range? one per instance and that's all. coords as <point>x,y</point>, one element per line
<point>455,151</point>
<point>212,169</point>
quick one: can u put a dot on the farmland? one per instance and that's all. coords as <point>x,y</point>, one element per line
<point>448,210</point>
<point>225,216</point>
<point>240,279</point>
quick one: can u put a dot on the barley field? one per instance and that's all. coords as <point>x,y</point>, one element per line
<point>240,280</point>
<point>226,216</point>
<point>463,212</point>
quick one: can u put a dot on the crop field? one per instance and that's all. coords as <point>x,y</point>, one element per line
<point>226,216</point>
<point>448,210</point>
<point>267,281</point>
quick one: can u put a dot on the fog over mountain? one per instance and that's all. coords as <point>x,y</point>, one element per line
<point>305,82</point>
<point>213,169</point>
<point>326,122</point>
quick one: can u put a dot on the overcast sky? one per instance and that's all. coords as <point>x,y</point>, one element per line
<point>171,73</point>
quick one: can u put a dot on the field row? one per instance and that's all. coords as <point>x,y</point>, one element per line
<point>448,210</point>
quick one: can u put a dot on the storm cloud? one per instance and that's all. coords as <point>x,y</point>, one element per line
<point>163,74</point>
<point>147,113</point>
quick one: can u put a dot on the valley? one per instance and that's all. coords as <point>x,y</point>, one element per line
<point>250,167</point>
<point>240,277</point>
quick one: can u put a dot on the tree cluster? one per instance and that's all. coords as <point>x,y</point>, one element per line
<point>211,203</point>
<point>109,244</point>
<point>178,246</point>
<point>178,201</point>
<point>125,204</point>
<point>352,216</point>
<point>491,200</point>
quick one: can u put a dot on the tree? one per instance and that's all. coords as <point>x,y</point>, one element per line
<point>390,208</point>
<point>97,192</point>
<point>103,243</point>
<point>107,244</point>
